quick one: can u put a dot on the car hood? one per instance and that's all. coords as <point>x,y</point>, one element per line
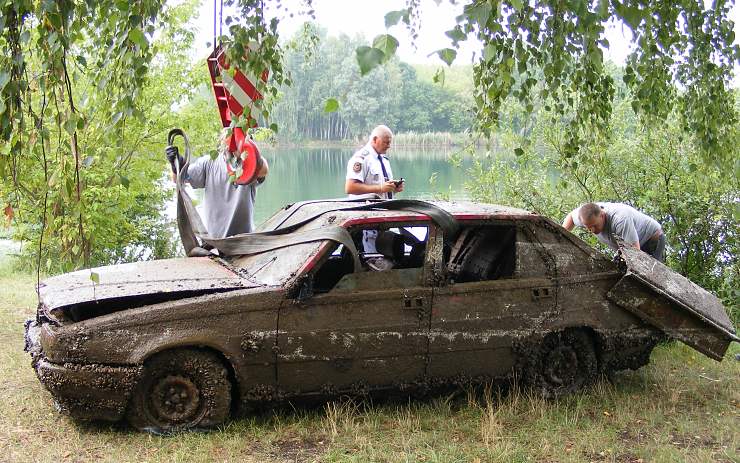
<point>189,275</point>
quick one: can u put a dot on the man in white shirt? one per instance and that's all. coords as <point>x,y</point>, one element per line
<point>609,221</point>
<point>369,171</point>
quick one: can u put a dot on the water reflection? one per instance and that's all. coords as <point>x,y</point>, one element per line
<point>298,174</point>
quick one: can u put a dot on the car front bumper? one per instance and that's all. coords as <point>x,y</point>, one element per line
<point>85,391</point>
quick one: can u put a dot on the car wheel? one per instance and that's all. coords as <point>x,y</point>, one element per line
<point>566,363</point>
<point>181,389</point>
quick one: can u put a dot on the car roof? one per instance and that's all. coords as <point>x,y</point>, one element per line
<point>330,211</point>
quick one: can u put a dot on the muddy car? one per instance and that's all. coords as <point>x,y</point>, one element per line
<point>488,293</point>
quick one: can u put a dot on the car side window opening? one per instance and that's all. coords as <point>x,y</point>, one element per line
<point>403,246</point>
<point>480,253</point>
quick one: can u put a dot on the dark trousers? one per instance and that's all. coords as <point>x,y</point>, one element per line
<point>655,247</point>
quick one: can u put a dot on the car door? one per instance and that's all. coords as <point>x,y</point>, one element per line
<point>368,331</point>
<point>498,286</point>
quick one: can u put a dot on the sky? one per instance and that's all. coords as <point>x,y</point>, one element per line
<point>366,17</point>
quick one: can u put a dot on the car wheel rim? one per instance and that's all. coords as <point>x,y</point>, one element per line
<point>175,399</point>
<point>562,365</point>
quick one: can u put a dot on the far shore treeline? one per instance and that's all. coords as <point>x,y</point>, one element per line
<point>400,95</point>
<point>393,94</point>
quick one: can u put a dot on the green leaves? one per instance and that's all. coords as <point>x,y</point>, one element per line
<point>70,125</point>
<point>439,76</point>
<point>383,49</point>
<point>447,55</point>
<point>476,13</point>
<point>386,44</point>
<point>95,277</point>
<point>138,37</point>
<point>553,52</point>
<point>489,52</point>
<point>392,17</point>
<point>630,14</point>
<point>4,79</point>
<point>538,52</point>
<point>56,129</point>
<point>603,9</point>
<point>331,105</point>
<point>116,117</point>
<point>368,58</point>
<point>456,34</point>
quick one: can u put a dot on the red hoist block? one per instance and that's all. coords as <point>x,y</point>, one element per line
<point>243,162</point>
<point>235,93</point>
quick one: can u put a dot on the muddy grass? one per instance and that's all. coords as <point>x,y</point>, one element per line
<point>681,407</point>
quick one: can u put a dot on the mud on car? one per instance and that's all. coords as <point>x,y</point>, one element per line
<point>476,292</point>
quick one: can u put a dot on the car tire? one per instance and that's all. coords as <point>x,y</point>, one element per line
<point>181,389</point>
<point>566,363</point>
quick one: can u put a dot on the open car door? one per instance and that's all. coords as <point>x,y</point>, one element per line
<point>674,304</point>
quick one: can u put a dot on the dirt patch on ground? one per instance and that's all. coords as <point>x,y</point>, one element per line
<point>631,437</point>
<point>686,441</point>
<point>619,458</point>
<point>297,449</point>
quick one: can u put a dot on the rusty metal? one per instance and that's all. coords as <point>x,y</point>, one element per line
<point>301,322</point>
<point>673,303</point>
<point>138,278</point>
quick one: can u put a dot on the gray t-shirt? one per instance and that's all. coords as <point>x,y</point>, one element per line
<point>622,221</point>
<point>228,208</point>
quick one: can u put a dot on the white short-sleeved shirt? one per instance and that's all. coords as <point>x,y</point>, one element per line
<point>622,221</point>
<point>365,167</point>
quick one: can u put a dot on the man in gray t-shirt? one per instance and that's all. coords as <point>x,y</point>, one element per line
<point>228,207</point>
<point>609,221</point>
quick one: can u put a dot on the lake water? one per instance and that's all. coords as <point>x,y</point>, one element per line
<point>298,174</point>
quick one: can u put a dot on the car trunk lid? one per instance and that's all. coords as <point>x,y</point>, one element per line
<point>674,304</point>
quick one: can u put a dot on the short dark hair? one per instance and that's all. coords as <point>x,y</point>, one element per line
<point>589,210</point>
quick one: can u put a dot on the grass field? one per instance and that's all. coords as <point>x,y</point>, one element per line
<point>681,407</point>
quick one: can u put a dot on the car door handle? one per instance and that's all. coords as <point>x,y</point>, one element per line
<point>413,303</point>
<point>541,293</point>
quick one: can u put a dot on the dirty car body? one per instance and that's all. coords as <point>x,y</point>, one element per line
<point>185,342</point>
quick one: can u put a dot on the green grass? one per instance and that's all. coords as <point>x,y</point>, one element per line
<point>681,407</point>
